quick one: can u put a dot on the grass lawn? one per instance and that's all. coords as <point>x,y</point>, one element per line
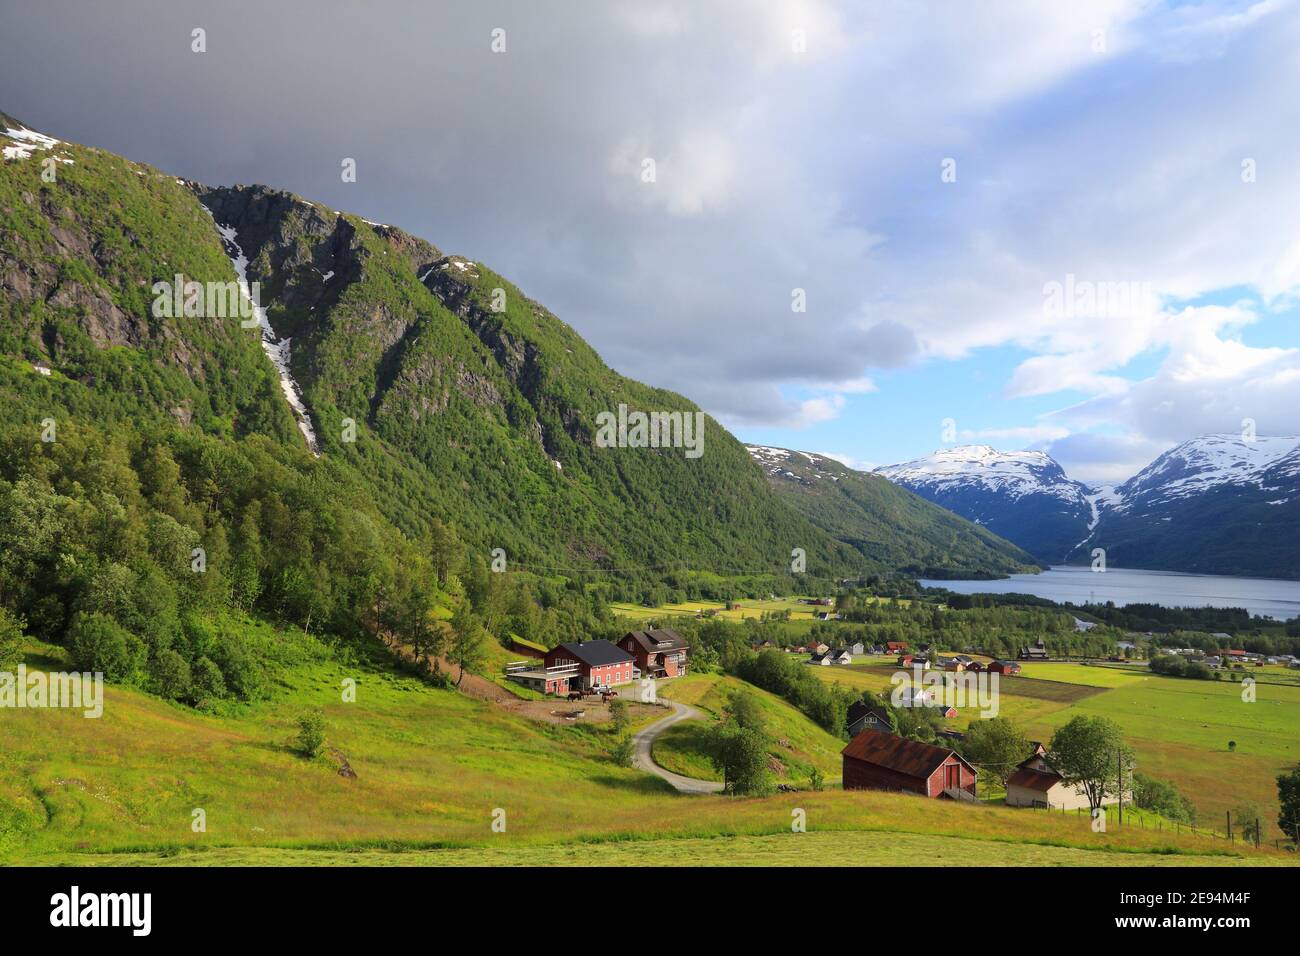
<point>432,766</point>
<point>799,613</point>
<point>814,848</point>
<point>798,743</point>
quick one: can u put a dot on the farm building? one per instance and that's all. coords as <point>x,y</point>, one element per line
<point>589,664</point>
<point>544,680</point>
<point>1004,667</point>
<point>1034,652</point>
<point>896,647</point>
<point>1036,784</point>
<point>880,761</point>
<point>527,648</point>
<point>915,697</point>
<point>658,653</point>
<point>831,657</point>
<point>863,716</point>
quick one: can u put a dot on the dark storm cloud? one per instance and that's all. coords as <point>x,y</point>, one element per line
<point>530,160</point>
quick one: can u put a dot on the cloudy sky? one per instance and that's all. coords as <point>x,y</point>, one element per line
<point>1068,226</point>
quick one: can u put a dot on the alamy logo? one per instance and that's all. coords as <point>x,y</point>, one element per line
<point>38,689</point>
<point>133,910</point>
<point>206,300</point>
<point>964,689</point>
<point>651,430</point>
<point>1081,298</point>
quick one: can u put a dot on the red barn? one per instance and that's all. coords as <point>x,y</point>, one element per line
<point>1004,667</point>
<point>659,652</point>
<point>592,664</point>
<point>878,761</point>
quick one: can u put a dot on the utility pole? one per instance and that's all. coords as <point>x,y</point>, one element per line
<point>1230,840</point>
<point>1119,764</point>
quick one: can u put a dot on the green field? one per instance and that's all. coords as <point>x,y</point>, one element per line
<point>432,767</point>
<point>798,743</point>
<point>752,609</point>
<point>813,848</point>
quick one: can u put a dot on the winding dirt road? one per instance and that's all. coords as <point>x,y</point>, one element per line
<point>645,739</point>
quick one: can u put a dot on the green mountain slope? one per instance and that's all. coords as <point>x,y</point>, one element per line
<point>885,522</point>
<point>431,382</point>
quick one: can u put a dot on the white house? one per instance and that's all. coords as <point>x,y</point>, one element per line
<point>1036,784</point>
<point>916,697</point>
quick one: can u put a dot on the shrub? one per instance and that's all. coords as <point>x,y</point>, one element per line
<point>169,675</point>
<point>11,636</point>
<point>98,643</point>
<point>1163,798</point>
<point>624,751</point>
<point>206,682</point>
<point>311,734</point>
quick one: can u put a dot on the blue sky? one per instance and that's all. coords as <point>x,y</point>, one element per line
<point>796,144</point>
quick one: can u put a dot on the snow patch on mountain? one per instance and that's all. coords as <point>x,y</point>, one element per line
<point>1202,464</point>
<point>277,350</point>
<point>1014,474</point>
<point>24,141</point>
<point>777,462</point>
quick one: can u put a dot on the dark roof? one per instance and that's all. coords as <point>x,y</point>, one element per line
<point>909,757</point>
<point>596,653</point>
<point>1033,779</point>
<point>858,709</point>
<point>658,639</point>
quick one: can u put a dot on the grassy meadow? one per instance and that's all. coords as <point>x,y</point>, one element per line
<point>798,745</point>
<point>432,765</point>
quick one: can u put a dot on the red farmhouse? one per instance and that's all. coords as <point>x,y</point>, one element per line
<point>659,653</point>
<point>879,761</point>
<point>592,664</point>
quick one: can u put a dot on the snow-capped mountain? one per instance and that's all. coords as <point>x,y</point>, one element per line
<point>1023,496</point>
<point>1203,464</point>
<point>1220,504</point>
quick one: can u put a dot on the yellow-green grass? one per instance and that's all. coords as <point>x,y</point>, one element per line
<point>495,659</point>
<point>799,613</point>
<point>1180,730</point>
<point>813,848</point>
<point>1091,675</point>
<point>432,765</point>
<point>798,743</point>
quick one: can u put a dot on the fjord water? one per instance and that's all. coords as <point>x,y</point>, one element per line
<point>1081,585</point>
